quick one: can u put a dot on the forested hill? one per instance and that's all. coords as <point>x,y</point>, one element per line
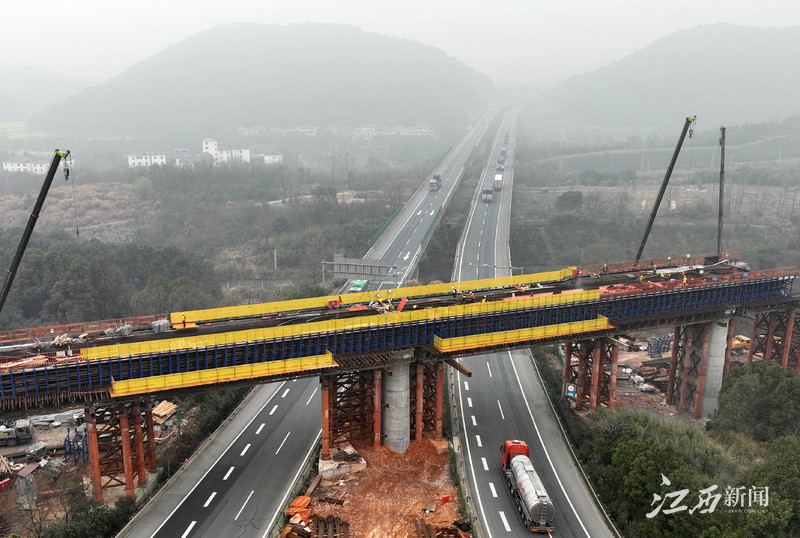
<point>723,73</point>
<point>275,76</point>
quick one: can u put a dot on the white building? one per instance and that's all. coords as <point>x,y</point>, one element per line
<point>146,160</point>
<point>211,147</point>
<point>273,159</point>
<point>31,168</point>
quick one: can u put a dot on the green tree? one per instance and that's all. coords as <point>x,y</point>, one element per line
<point>569,201</point>
<point>761,399</point>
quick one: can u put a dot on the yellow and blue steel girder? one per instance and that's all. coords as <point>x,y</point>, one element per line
<point>302,329</point>
<point>462,343</point>
<point>192,317</point>
<point>224,374</point>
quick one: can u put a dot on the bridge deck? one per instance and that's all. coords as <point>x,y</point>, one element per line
<point>309,348</point>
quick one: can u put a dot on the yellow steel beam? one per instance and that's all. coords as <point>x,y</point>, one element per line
<point>303,329</point>
<point>462,343</point>
<point>264,309</point>
<point>220,375</point>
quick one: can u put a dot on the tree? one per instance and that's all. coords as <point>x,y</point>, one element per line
<point>569,201</point>
<point>761,399</point>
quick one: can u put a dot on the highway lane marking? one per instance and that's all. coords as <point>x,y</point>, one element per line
<point>478,441</point>
<point>285,393</point>
<point>187,531</point>
<point>260,409</point>
<point>260,428</point>
<point>469,402</point>
<point>505,521</point>
<point>485,464</point>
<point>502,415</point>
<point>312,395</point>
<point>210,499</point>
<point>228,474</point>
<point>245,449</point>
<point>479,243</point>
<point>474,422</point>
<point>273,409</point>
<point>544,448</point>
<point>466,385</point>
<point>491,487</point>
<point>245,504</point>
<point>282,442</point>
<point>279,512</point>
<point>490,369</point>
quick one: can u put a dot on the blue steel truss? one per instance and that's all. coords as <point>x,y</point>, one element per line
<point>86,377</point>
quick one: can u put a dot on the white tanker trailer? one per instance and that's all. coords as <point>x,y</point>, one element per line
<point>533,502</point>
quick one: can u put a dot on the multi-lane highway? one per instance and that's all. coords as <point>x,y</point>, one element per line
<point>237,486</point>
<point>504,398</point>
<point>404,240</point>
<point>239,483</point>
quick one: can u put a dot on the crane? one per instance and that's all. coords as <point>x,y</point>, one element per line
<point>664,186</point>
<point>26,235</point>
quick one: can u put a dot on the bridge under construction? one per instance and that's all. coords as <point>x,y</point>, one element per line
<point>380,355</point>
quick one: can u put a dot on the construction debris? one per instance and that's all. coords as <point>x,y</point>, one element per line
<point>163,411</point>
<point>8,467</point>
<point>317,527</point>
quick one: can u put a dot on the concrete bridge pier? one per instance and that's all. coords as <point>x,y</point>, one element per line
<point>396,397</point>
<point>392,406</point>
<point>700,358</point>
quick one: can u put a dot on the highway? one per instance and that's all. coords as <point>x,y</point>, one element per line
<point>237,485</point>
<point>404,240</point>
<point>504,398</point>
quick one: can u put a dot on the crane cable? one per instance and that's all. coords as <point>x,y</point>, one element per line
<point>67,165</point>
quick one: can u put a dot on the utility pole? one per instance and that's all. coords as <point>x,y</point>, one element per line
<point>721,185</point>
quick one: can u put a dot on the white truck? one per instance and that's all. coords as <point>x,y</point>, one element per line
<point>21,432</point>
<point>527,489</point>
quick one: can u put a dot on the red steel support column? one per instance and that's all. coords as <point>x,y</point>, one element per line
<point>125,433</point>
<point>151,436</point>
<point>583,362</point>
<point>597,370</point>
<point>137,435</point>
<point>439,399</point>
<point>673,364</point>
<point>326,419</point>
<point>420,403</point>
<point>376,381</point>
<point>787,340</point>
<point>687,367</point>
<point>701,373</point>
<point>567,366</point>
<point>94,455</point>
<point>729,348</point>
<point>769,345</point>
<point>612,389</point>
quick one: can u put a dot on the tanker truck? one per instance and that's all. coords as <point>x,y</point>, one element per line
<point>535,506</point>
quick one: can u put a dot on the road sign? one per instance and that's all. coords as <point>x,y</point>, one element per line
<point>572,390</point>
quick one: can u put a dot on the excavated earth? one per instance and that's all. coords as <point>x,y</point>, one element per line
<point>394,491</point>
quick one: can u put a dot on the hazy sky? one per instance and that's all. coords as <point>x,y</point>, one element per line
<point>512,41</point>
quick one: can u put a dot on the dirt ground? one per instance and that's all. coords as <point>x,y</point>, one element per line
<point>390,495</point>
